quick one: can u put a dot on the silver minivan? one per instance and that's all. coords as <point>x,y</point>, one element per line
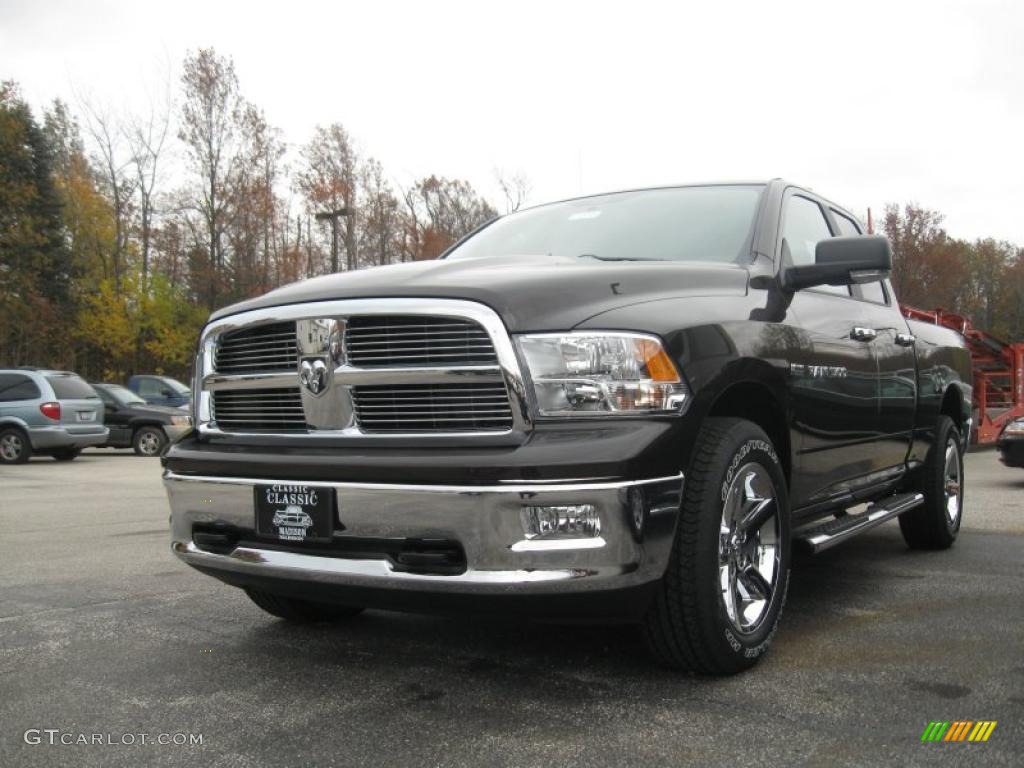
<point>54,413</point>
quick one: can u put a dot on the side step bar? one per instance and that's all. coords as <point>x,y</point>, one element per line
<point>821,537</point>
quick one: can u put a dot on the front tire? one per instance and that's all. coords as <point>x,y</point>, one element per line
<point>936,523</point>
<point>149,441</point>
<point>14,446</point>
<point>721,597</point>
<point>300,611</point>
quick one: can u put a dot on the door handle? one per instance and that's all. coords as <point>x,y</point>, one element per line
<point>863,334</point>
<point>905,339</point>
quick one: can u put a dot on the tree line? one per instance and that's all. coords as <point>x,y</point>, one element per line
<point>119,233</point>
<point>982,279</point>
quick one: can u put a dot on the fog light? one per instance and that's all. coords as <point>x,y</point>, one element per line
<point>562,522</point>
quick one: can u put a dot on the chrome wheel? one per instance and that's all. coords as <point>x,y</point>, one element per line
<point>11,446</point>
<point>749,544</point>
<point>149,443</point>
<point>952,476</point>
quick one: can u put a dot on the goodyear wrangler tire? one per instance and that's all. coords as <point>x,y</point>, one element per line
<point>722,594</point>
<point>300,611</point>
<point>936,523</point>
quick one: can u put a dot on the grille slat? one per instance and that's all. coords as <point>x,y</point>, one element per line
<point>272,410</point>
<point>260,349</point>
<point>406,340</point>
<point>439,408</point>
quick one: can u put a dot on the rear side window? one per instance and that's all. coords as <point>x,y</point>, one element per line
<point>149,387</point>
<point>71,388</point>
<point>847,226</point>
<point>16,386</point>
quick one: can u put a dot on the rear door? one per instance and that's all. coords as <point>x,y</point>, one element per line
<point>895,360</point>
<point>81,410</point>
<point>834,389</point>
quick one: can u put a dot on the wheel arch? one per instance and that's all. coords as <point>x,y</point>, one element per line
<point>758,402</point>
<point>148,423</point>
<point>953,406</point>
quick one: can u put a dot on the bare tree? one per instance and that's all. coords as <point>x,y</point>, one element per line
<point>112,159</point>
<point>438,212</point>
<point>329,178</point>
<point>380,216</point>
<point>515,187</point>
<point>209,116</point>
<point>146,136</point>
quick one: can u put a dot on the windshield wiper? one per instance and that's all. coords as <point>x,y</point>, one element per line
<point>613,258</point>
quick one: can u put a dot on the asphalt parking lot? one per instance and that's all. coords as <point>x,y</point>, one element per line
<point>102,631</point>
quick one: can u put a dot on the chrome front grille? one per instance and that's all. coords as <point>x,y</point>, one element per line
<point>352,367</point>
<point>432,408</point>
<point>259,349</point>
<point>384,341</point>
<point>259,410</point>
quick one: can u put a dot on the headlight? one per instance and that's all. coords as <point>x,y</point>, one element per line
<point>1014,428</point>
<point>180,421</point>
<point>612,373</point>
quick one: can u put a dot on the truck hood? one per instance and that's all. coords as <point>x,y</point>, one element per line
<point>530,293</point>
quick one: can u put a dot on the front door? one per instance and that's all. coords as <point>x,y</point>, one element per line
<point>835,386</point>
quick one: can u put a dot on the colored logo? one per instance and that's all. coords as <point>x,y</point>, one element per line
<point>958,730</point>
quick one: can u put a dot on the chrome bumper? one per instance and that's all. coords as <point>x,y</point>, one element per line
<point>485,520</point>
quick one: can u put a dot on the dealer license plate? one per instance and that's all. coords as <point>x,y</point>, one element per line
<point>295,513</point>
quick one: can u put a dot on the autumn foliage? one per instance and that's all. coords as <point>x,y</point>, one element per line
<point>120,233</point>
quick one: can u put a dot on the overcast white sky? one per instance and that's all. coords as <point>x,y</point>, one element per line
<point>865,102</point>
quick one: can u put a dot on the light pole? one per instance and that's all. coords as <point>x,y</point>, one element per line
<point>333,216</point>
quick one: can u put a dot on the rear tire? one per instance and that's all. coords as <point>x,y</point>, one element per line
<point>722,594</point>
<point>66,454</point>
<point>15,447</point>
<point>300,611</point>
<point>149,441</point>
<point>936,523</point>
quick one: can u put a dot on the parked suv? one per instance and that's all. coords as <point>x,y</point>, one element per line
<point>54,413</point>
<point>133,423</point>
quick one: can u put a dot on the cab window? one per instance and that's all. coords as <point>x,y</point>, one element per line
<point>150,387</point>
<point>804,226</point>
<point>874,292</point>
<point>847,226</point>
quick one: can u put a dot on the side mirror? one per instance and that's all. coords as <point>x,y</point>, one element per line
<point>165,392</point>
<point>843,261</point>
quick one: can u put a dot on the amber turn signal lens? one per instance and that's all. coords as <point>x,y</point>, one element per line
<point>658,364</point>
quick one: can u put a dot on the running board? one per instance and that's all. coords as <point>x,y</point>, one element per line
<point>821,537</point>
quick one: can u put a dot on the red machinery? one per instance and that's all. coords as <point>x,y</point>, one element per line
<point>998,372</point>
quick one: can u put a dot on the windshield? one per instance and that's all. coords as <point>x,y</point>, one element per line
<point>674,224</point>
<point>122,395</point>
